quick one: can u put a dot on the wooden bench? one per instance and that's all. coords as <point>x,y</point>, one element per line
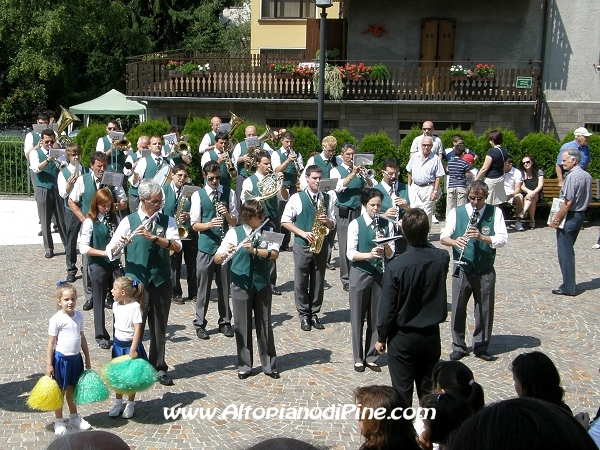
<point>552,190</point>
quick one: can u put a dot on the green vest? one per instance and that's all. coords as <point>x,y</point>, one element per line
<point>209,240</point>
<point>270,204</point>
<point>36,138</point>
<point>366,234</point>
<point>133,190</point>
<point>225,177</point>
<point>241,168</point>
<point>350,196</point>
<point>248,271</point>
<point>151,167</point>
<point>100,239</point>
<point>387,203</point>
<point>144,260</point>
<point>170,201</point>
<point>211,136</point>
<point>478,255</point>
<point>116,160</point>
<point>306,218</point>
<point>290,174</point>
<point>89,189</point>
<point>47,178</point>
<point>325,166</point>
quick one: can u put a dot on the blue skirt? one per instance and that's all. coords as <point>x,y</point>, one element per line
<point>67,369</point>
<point>121,348</point>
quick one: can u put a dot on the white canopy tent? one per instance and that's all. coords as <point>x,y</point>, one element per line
<point>112,103</point>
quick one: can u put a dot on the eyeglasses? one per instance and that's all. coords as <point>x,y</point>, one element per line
<point>180,175</point>
<point>154,202</point>
<point>216,177</point>
<point>393,174</point>
<point>49,142</point>
<point>476,198</point>
<point>526,162</point>
<point>427,129</point>
<point>111,128</point>
<point>427,145</point>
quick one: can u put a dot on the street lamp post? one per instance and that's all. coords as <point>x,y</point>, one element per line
<point>323,4</point>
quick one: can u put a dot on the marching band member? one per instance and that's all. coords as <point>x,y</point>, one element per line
<point>299,217</point>
<point>66,181</point>
<point>80,200</point>
<point>208,140</point>
<point>116,158</point>
<point>288,162</point>
<point>212,212</point>
<point>172,206</point>
<point>133,177</point>
<point>271,205</point>
<point>150,165</point>
<point>348,189</point>
<point>250,289</point>
<point>171,153</point>
<point>239,158</point>
<point>366,276</point>
<point>149,236</point>
<point>48,200</point>
<point>220,153</point>
<point>96,232</point>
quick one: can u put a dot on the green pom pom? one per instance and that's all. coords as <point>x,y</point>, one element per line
<point>90,388</point>
<point>127,376</point>
<point>46,395</point>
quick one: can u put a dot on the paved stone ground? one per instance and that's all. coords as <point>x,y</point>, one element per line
<point>316,366</point>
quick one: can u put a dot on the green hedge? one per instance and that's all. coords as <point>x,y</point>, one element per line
<point>88,138</point>
<point>343,136</point>
<point>544,148</point>
<point>13,167</point>
<point>381,146</point>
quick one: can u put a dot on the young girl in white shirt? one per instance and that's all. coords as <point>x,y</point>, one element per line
<point>63,356</point>
<point>127,313</point>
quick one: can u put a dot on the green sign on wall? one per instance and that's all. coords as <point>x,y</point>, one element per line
<point>524,82</point>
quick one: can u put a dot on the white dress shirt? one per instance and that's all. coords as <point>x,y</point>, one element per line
<point>85,238</point>
<point>140,168</point>
<point>500,237</point>
<point>276,160</point>
<point>425,172</point>
<point>230,240</point>
<point>352,247</point>
<point>62,181</point>
<point>310,162</point>
<point>79,189</point>
<point>196,207</point>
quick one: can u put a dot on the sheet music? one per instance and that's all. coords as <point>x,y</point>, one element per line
<point>112,178</point>
<point>57,153</point>
<point>252,141</point>
<point>189,190</point>
<point>271,236</point>
<point>363,159</point>
<point>145,152</point>
<point>170,139</point>
<point>116,135</point>
<point>328,184</point>
<point>39,127</point>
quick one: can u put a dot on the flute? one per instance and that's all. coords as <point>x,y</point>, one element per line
<point>246,239</point>
<point>122,244</point>
<point>472,222</point>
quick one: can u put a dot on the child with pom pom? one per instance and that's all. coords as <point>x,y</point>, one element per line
<point>64,361</point>
<point>127,313</point>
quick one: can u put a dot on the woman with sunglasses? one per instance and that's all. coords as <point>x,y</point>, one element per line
<point>250,288</point>
<point>531,186</point>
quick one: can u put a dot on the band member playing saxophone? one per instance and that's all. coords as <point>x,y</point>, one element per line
<point>309,215</point>
<point>212,213</point>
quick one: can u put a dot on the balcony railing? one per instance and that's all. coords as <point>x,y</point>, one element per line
<point>253,78</point>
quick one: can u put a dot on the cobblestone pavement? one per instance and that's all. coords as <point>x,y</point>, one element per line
<point>316,366</point>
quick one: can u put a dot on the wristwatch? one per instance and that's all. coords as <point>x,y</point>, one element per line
<point>555,221</point>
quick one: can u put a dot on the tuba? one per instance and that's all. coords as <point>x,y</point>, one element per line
<point>319,230</point>
<point>251,164</point>
<point>65,119</point>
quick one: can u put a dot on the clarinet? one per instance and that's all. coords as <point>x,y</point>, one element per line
<point>472,222</point>
<point>379,234</point>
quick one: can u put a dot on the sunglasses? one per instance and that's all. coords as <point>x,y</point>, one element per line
<point>111,128</point>
<point>217,177</point>
<point>526,162</point>
<point>49,142</point>
<point>476,198</point>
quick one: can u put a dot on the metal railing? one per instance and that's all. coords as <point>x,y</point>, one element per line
<point>14,173</point>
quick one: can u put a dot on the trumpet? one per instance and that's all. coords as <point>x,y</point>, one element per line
<point>247,239</point>
<point>366,174</point>
<point>147,224</point>
<point>122,145</point>
<point>231,169</point>
<point>297,163</point>
<point>182,148</point>
<point>472,222</point>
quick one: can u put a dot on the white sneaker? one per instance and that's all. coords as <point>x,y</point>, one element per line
<point>434,219</point>
<point>117,409</point>
<point>59,427</point>
<point>596,246</point>
<point>519,226</point>
<point>129,410</point>
<point>79,422</point>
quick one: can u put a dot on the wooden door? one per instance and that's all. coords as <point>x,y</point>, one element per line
<point>437,42</point>
<point>336,36</point>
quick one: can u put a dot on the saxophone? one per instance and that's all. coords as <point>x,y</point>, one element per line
<point>181,228</point>
<point>319,230</point>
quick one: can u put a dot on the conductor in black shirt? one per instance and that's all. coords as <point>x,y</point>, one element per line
<point>413,305</point>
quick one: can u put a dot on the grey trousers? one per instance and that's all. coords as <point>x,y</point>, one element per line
<point>205,269</point>
<point>157,305</point>
<point>309,279</point>
<point>244,304</point>
<point>188,253</point>
<point>483,288</point>
<point>51,207</point>
<point>365,296</point>
<point>85,278</point>
<point>565,243</point>
<point>281,205</point>
<point>342,230</point>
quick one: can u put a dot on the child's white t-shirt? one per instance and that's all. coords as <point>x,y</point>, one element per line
<point>125,317</point>
<point>67,330</point>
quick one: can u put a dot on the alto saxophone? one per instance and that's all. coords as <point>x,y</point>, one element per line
<point>319,230</point>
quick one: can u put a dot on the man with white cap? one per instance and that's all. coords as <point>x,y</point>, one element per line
<point>580,143</point>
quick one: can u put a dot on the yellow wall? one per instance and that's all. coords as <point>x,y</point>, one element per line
<point>281,33</point>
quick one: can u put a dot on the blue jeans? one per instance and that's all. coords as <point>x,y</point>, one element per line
<point>565,242</point>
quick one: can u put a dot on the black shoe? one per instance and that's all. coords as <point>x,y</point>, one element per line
<point>40,233</point>
<point>359,367</point>
<point>275,291</point>
<point>456,355</point>
<point>108,305</point>
<point>484,355</point>
<point>305,324</point>
<point>165,380</point>
<point>71,278</point>
<point>55,229</point>
<point>316,323</point>
<point>104,345</point>
<point>274,375</point>
<point>178,301</point>
<point>243,375</point>
<point>49,255</point>
<point>346,288</point>
<point>330,266</point>
<point>374,367</point>
<point>202,334</point>
<point>559,292</point>
<point>88,305</point>
<point>226,329</point>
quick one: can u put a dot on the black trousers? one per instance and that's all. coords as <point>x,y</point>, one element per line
<point>157,305</point>
<point>188,253</point>
<point>412,355</point>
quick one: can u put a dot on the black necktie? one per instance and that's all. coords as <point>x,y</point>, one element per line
<point>158,161</point>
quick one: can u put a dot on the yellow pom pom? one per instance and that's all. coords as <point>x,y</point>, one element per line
<point>46,395</point>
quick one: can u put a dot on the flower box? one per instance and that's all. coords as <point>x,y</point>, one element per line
<point>284,75</point>
<point>193,74</point>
